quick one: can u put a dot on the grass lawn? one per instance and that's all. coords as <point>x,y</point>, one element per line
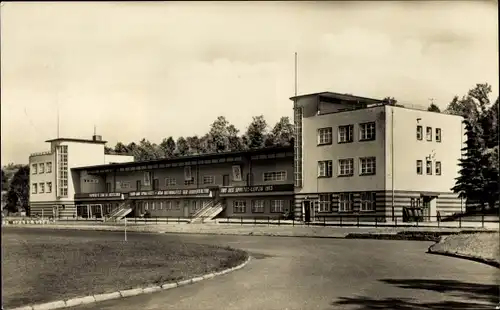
<point>37,268</point>
<point>482,245</point>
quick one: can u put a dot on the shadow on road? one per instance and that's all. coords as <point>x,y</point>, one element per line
<point>474,296</point>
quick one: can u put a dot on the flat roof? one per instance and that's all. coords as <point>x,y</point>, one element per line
<point>262,151</point>
<point>347,97</point>
<point>77,140</point>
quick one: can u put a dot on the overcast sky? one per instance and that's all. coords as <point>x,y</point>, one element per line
<point>158,69</point>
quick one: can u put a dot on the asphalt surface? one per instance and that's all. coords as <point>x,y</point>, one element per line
<point>303,273</point>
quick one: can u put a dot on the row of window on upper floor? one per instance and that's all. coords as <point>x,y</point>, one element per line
<point>428,167</point>
<point>41,168</point>
<point>270,176</point>
<point>428,133</point>
<point>367,166</point>
<point>39,188</point>
<point>345,167</point>
<point>367,132</point>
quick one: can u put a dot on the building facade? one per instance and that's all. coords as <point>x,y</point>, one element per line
<point>359,156</point>
<point>250,184</point>
<point>352,156</point>
<point>52,183</point>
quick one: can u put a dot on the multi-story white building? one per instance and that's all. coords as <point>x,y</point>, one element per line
<point>356,155</point>
<point>52,184</point>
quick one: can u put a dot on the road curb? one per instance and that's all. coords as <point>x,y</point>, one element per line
<point>127,293</point>
<point>473,258</point>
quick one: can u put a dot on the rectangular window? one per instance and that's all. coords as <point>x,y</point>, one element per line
<point>368,201</point>
<point>346,201</point>
<point>49,187</point>
<point>420,132</point>
<point>34,169</point>
<point>62,170</point>
<point>346,133</point>
<point>438,168</point>
<point>367,131</point>
<point>41,168</point>
<point>124,185</point>
<point>367,166</point>
<point>189,182</point>
<point>42,188</point>
<point>346,167</point>
<point>258,206</point>
<point>438,134</point>
<point>170,182</point>
<point>48,167</point>
<point>325,169</point>
<point>428,133</point>
<point>324,203</point>
<point>297,146</point>
<point>153,205</point>
<point>194,205</point>
<point>177,205</point>
<point>161,205</point>
<point>208,179</point>
<point>277,206</point>
<point>239,206</point>
<point>146,205</point>
<point>419,167</point>
<point>156,184</point>
<point>325,136</point>
<point>428,167</point>
<point>274,176</point>
<point>34,188</point>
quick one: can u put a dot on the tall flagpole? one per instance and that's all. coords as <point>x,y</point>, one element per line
<point>295,74</point>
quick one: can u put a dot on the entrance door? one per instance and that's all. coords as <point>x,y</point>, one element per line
<point>426,204</point>
<point>307,211</point>
<point>186,208</point>
<point>225,180</point>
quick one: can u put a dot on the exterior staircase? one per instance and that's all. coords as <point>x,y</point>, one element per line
<point>123,210</point>
<point>207,212</point>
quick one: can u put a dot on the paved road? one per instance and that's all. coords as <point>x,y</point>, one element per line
<point>295,273</point>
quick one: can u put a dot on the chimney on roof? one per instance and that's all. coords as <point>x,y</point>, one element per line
<point>96,137</point>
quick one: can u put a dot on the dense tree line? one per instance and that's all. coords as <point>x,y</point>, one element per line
<point>222,137</point>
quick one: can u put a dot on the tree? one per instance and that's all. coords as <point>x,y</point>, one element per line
<point>12,202</point>
<point>182,147</point>
<point>433,108</point>
<point>256,132</point>
<point>390,100</point>
<point>168,147</point>
<point>108,150</point>
<point>5,185</point>
<point>120,148</point>
<point>19,187</point>
<point>194,145</point>
<point>234,140</point>
<point>282,132</point>
<point>471,182</point>
<point>219,134</point>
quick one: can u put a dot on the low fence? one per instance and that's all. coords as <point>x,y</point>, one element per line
<point>484,221</point>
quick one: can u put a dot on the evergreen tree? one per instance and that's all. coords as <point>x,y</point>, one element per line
<point>471,183</point>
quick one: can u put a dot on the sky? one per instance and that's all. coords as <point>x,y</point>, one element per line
<point>158,69</point>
